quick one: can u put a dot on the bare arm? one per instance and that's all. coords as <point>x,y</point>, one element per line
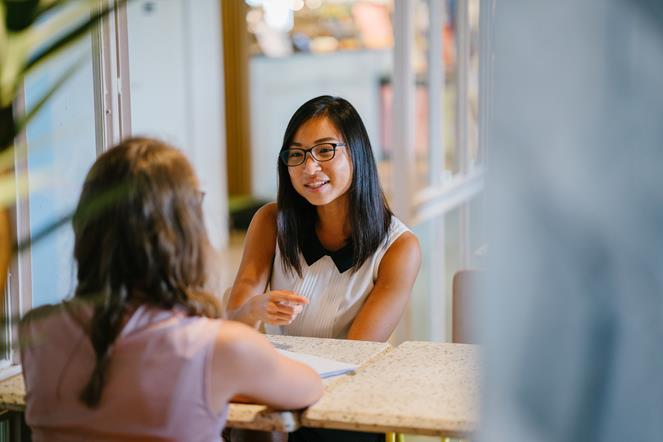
<point>384,306</point>
<point>248,302</point>
<point>246,365</point>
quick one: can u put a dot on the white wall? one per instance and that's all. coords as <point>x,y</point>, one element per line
<point>175,62</point>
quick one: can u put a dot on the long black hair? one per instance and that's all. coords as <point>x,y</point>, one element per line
<point>369,212</point>
<point>146,245</point>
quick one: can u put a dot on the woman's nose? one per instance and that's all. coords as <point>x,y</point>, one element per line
<point>310,165</point>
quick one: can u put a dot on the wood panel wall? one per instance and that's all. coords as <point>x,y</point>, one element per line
<point>236,70</point>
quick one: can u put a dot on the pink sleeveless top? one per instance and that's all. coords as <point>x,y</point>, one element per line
<point>157,380</point>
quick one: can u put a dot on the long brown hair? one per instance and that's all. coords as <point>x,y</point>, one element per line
<point>140,238</point>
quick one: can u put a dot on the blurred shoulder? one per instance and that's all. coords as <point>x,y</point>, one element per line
<point>267,213</point>
<point>236,339</point>
<point>43,314</point>
<point>54,322</point>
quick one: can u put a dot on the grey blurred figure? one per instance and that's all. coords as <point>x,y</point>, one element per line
<point>572,306</point>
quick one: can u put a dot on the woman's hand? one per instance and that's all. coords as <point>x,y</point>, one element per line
<point>277,307</point>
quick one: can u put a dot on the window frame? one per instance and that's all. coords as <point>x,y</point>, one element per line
<point>446,191</point>
<point>112,122</point>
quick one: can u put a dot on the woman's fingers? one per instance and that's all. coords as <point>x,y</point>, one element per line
<point>281,307</point>
<point>291,310</point>
<point>280,314</point>
<point>285,311</point>
<point>279,319</point>
<point>287,296</point>
<point>277,307</point>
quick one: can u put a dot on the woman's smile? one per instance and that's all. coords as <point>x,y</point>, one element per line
<point>317,185</point>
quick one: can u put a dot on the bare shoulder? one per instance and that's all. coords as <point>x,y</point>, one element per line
<point>237,340</point>
<point>402,257</point>
<point>240,354</point>
<point>264,221</point>
<point>41,312</point>
<point>266,214</point>
<point>407,245</point>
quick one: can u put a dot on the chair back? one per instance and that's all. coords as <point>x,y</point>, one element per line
<point>464,288</point>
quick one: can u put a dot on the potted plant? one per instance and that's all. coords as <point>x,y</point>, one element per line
<point>32,32</point>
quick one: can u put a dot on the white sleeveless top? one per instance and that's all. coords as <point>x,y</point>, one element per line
<point>334,291</point>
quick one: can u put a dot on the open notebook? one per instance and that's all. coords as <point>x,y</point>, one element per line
<point>325,367</point>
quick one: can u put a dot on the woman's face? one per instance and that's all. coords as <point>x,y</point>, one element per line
<point>321,182</point>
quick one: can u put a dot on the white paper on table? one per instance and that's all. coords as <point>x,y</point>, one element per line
<point>325,367</point>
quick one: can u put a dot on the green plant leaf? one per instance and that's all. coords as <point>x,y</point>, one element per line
<point>44,232</point>
<point>24,120</point>
<point>68,38</point>
<point>48,5</point>
<point>92,209</point>
<point>12,185</point>
<point>3,37</point>
<point>13,56</point>
<point>7,158</point>
<point>23,51</point>
<point>7,126</point>
<point>20,13</point>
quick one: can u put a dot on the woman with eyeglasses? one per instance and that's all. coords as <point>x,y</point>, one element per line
<point>328,259</point>
<point>139,353</point>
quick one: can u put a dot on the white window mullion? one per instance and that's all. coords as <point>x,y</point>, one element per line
<point>122,69</point>
<point>436,82</point>
<point>403,109</point>
<point>437,201</point>
<point>437,298</point>
<point>462,78</point>
<point>111,77</point>
<point>462,114</point>
<point>103,84</point>
<point>486,58</point>
<point>403,129</point>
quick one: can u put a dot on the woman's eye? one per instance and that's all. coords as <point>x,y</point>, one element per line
<point>294,154</point>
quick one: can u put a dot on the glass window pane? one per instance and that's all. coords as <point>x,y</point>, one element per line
<point>449,107</point>
<point>430,307</point>
<point>439,160</point>
<point>478,245</point>
<point>61,148</point>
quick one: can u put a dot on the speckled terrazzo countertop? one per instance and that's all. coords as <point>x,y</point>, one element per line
<point>417,388</point>
<point>353,352</point>
<point>250,416</point>
<point>260,417</point>
<point>12,393</point>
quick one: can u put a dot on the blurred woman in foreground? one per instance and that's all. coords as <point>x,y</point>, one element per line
<point>139,352</point>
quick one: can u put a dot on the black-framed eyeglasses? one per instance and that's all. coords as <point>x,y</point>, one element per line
<point>295,156</point>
